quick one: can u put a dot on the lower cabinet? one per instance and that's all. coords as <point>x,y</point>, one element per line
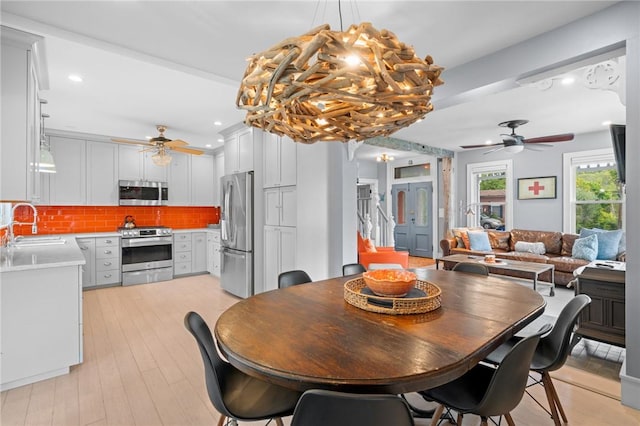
<point>190,253</point>
<point>102,256</point>
<point>213,253</point>
<point>279,253</point>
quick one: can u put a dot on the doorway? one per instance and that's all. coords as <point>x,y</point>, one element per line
<point>412,210</point>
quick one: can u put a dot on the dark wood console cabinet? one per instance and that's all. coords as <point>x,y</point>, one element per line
<point>604,319</point>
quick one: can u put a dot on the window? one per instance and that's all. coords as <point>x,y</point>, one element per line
<point>489,195</point>
<point>593,196</point>
<point>410,171</point>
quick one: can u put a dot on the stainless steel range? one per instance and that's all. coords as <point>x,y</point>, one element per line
<point>147,254</point>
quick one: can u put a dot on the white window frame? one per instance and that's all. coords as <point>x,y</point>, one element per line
<point>473,194</point>
<point>570,161</point>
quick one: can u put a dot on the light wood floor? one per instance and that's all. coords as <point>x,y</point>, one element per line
<point>141,367</point>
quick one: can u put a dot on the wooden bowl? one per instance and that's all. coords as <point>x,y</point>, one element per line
<point>390,282</point>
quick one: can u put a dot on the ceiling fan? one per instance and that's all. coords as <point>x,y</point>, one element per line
<point>516,143</point>
<point>161,145</point>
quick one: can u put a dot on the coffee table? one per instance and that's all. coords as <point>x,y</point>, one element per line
<point>531,270</point>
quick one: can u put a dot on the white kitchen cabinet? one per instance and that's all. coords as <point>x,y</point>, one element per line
<point>102,174</point>
<point>24,74</point>
<point>279,161</point>
<point>279,253</point>
<point>198,252</point>
<point>182,253</point>
<point>179,180</point>
<point>280,206</point>
<point>68,186</point>
<point>136,165</point>
<point>88,248</point>
<point>239,148</point>
<point>213,253</point>
<point>202,180</point>
<point>218,173</point>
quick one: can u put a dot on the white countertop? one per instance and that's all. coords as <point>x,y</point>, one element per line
<point>39,257</point>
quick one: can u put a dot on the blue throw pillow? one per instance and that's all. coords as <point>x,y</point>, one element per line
<point>608,242</point>
<point>586,248</point>
<point>479,241</point>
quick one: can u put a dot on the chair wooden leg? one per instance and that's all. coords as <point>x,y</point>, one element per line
<point>509,419</point>
<point>278,421</point>
<point>483,421</point>
<point>556,398</point>
<point>459,420</point>
<point>548,389</point>
<point>222,419</point>
<point>436,415</point>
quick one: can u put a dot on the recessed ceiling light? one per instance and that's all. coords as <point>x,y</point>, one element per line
<point>217,123</point>
<point>220,140</point>
<point>606,123</point>
<point>208,145</point>
<point>568,80</point>
<point>148,137</point>
<point>488,142</point>
<point>75,78</point>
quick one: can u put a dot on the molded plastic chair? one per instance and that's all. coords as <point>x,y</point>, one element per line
<point>488,391</point>
<point>551,353</point>
<point>233,393</point>
<point>352,269</point>
<point>289,278</point>
<point>471,267</point>
<point>322,407</point>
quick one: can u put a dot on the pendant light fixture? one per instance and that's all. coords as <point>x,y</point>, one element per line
<point>337,85</point>
<point>384,158</point>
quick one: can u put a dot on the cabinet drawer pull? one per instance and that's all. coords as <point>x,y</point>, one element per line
<point>107,275</point>
<point>107,252</point>
<point>107,263</point>
<point>84,248</point>
<point>107,241</point>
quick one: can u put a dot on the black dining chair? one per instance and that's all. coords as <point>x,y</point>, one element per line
<point>236,395</point>
<point>322,408</point>
<point>289,278</point>
<point>485,390</point>
<point>352,269</point>
<point>471,267</point>
<point>551,353</point>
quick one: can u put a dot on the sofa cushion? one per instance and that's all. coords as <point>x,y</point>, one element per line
<point>479,241</point>
<point>608,242</point>
<point>552,240</point>
<point>586,248</point>
<point>566,264</point>
<point>369,247</point>
<point>567,243</point>
<point>524,257</point>
<point>499,239</point>
<point>536,248</point>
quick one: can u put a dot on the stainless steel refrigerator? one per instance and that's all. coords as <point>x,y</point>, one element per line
<point>236,233</point>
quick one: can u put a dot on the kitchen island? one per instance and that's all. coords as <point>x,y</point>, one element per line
<point>41,310</point>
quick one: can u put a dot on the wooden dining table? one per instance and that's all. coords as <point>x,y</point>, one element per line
<point>308,337</point>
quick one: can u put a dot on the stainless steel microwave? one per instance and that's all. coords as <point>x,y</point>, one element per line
<point>143,193</point>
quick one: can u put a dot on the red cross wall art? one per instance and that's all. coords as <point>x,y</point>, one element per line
<point>537,188</point>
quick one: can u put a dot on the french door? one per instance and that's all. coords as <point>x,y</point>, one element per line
<point>412,210</point>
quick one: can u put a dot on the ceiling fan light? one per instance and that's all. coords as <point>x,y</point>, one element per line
<point>514,149</point>
<point>161,159</point>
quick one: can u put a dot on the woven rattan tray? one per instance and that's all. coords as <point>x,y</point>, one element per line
<point>354,295</point>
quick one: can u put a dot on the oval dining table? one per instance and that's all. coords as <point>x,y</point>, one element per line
<point>308,337</point>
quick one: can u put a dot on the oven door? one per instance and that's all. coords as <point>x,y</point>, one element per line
<point>146,253</point>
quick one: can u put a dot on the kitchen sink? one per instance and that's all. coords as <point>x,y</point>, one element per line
<point>38,241</point>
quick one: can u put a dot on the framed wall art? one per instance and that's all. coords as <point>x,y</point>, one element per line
<point>537,188</point>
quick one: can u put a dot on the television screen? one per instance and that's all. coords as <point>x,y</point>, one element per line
<point>618,139</point>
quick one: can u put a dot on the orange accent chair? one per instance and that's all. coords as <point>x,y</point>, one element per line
<point>380,254</point>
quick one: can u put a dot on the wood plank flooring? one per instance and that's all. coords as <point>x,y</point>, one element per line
<point>141,367</point>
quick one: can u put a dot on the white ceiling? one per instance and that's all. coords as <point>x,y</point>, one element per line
<point>179,63</point>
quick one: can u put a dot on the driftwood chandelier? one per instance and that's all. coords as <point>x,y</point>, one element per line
<point>337,85</point>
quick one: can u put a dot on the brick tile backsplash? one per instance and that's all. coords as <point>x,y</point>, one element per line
<point>79,219</point>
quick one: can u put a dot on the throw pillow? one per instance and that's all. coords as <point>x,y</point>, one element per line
<point>499,239</point>
<point>369,247</point>
<point>479,241</point>
<point>535,248</point>
<point>458,233</point>
<point>585,248</point>
<point>608,242</point>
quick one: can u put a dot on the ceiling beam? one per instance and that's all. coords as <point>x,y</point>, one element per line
<point>403,145</point>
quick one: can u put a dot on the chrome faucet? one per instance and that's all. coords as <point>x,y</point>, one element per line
<point>12,222</point>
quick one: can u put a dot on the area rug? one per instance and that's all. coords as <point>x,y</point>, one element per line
<point>420,262</point>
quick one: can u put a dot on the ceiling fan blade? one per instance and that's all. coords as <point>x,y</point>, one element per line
<point>484,145</point>
<point>553,138</point>
<point>176,143</point>
<point>493,150</point>
<point>186,150</point>
<point>130,141</point>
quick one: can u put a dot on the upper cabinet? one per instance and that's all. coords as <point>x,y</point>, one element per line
<point>202,180</point>
<point>136,165</point>
<point>179,179</point>
<point>239,142</point>
<point>279,161</point>
<point>68,185</point>
<point>219,172</point>
<point>24,74</point>
<point>102,174</point>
